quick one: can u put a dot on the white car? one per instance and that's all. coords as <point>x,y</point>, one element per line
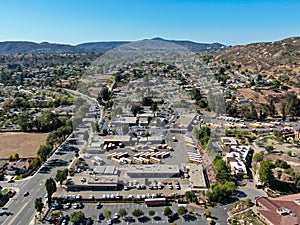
<point>91,197</point>
<point>116,216</point>
<point>75,206</point>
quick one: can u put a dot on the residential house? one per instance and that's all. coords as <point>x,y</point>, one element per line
<point>19,167</point>
<point>3,165</point>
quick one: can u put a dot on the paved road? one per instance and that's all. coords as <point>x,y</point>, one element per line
<point>20,209</point>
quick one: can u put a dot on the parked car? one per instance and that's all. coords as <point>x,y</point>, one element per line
<point>116,216</point>
<point>101,216</point>
<point>26,193</point>
<point>98,206</point>
<point>75,206</point>
<point>91,197</point>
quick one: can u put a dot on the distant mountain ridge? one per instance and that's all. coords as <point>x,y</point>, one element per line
<point>30,47</point>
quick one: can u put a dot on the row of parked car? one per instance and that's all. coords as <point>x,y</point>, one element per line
<point>160,185</point>
<point>153,186</point>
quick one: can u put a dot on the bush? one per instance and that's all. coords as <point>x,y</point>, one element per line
<point>269,148</point>
<point>258,157</point>
<point>282,164</point>
<point>289,171</point>
<point>137,213</point>
<point>151,213</point>
<point>248,201</point>
<point>245,176</point>
<point>208,213</point>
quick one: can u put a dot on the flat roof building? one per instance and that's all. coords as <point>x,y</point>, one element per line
<point>116,139</point>
<point>126,120</point>
<point>197,179</point>
<point>152,171</point>
<point>94,183</point>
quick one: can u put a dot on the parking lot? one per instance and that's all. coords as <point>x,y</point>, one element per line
<point>91,211</point>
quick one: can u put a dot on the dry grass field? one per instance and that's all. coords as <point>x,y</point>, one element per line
<point>25,144</point>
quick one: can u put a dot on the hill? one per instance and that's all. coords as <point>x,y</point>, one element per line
<point>270,58</point>
<point>28,47</point>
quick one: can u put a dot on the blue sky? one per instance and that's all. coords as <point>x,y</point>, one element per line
<point>229,22</point>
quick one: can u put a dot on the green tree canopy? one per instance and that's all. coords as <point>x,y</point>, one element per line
<point>77,217</point>
<point>266,174</point>
<point>151,213</point>
<point>38,205</point>
<point>182,210</point>
<point>137,213</point>
<point>50,188</point>
<point>61,175</point>
<point>168,211</point>
<point>104,94</point>
<point>147,101</point>
<point>269,148</point>
<point>123,212</point>
<point>107,213</point>
<point>135,109</point>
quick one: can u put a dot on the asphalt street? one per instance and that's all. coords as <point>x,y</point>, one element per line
<point>20,209</point>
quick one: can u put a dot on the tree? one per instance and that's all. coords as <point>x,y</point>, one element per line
<point>135,109</point>
<point>77,217</point>
<point>154,107</point>
<point>137,213</point>
<point>23,121</point>
<point>271,108</point>
<point>208,213</point>
<point>61,175</point>
<point>204,135</point>
<point>281,164</point>
<point>221,192</point>
<point>16,156</point>
<point>104,94</point>
<point>38,205</point>
<point>168,211</point>
<point>202,103</point>
<point>283,110</point>
<point>13,158</point>
<point>195,94</point>
<point>258,157</point>
<point>266,174</point>
<point>105,132</point>
<point>50,188</point>
<point>248,201</point>
<point>191,196</point>
<point>86,135</point>
<point>151,213</point>
<point>123,212</point>
<point>223,171</point>
<point>44,151</point>
<point>147,101</point>
<point>107,214</point>
<point>253,112</point>
<point>182,210</point>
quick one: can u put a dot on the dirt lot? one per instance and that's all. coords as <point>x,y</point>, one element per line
<point>25,144</point>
